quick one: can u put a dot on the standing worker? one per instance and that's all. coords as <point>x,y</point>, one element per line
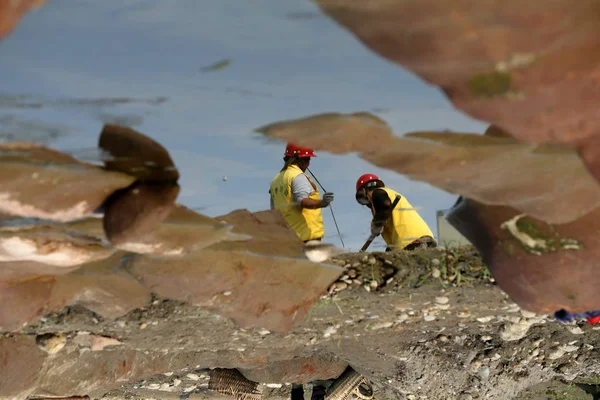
<point>296,196</point>
<point>404,228</point>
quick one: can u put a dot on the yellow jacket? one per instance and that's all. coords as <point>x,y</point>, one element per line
<point>404,225</point>
<point>307,223</point>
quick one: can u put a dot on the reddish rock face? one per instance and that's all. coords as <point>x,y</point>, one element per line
<point>11,12</point>
<point>542,267</point>
<point>532,69</point>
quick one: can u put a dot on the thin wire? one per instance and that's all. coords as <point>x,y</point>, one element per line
<point>330,208</point>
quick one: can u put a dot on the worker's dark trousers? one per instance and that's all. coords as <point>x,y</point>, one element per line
<point>317,394</point>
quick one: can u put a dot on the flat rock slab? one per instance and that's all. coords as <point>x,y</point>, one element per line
<point>254,290</point>
<point>42,183</point>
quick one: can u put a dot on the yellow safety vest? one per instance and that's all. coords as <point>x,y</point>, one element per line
<point>405,225</point>
<point>307,223</point>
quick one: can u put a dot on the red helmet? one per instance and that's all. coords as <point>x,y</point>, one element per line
<point>292,149</point>
<point>366,178</point>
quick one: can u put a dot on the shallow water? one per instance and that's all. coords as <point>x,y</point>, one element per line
<point>199,77</point>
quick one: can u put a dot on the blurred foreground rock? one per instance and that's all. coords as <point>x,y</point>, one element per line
<point>530,69</point>
<point>11,12</point>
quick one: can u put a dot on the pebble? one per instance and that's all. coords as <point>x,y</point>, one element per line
<point>365,258</point>
<point>443,306</point>
<point>484,320</point>
<point>495,357</point>
<point>355,265</point>
<point>484,373</point>
<point>429,318</point>
<point>443,338</point>
<point>339,286</point>
<point>442,300</point>
<point>165,387</point>
<point>143,325</point>
<point>435,262</point>
<point>227,293</point>
<point>388,262</point>
<point>486,338</point>
<point>463,314</point>
<point>352,273</point>
<point>264,332</point>
<point>176,382</point>
<point>168,374</point>
<point>372,260</point>
<point>373,284</point>
<point>435,273</point>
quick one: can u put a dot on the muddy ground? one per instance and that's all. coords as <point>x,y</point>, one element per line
<point>426,325</point>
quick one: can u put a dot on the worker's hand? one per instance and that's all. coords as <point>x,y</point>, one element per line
<point>376,229</point>
<point>327,198</point>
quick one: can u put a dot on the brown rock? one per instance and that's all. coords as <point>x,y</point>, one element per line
<point>11,12</point>
<point>137,155</point>
<point>267,231</point>
<point>21,362</point>
<point>265,291</point>
<point>542,267</point>
<point>103,287</point>
<point>133,213</point>
<point>66,190</point>
<point>21,302</point>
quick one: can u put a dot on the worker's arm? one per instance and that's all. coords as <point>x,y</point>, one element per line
<point>301,189</point>
<point>381,203</point>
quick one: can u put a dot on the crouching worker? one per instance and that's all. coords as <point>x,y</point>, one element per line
<point>297,197</point>
<point>404,228</point>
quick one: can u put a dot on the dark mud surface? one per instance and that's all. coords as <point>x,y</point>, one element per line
<point>427,325</point>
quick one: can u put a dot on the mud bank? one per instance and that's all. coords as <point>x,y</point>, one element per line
<point>426,325</point>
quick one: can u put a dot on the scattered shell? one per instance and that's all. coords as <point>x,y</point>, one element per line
<point>435,262</point>
<point>264,332</point>
<point>153,386</point>
<point>330,331</point>
<point>486,338</point>
<point>192,377</point>
<point>463,314</point>
<point>227,293</point>
<point>443,338</point>
<point>388,262</point>
<point>167,374</point>
<point>443,306</point>
<point>274,385</point>
<point>575,330</point>
<point>495,357</point>
<point>176,382</point>
<point>143,325</point>
<point>484,320</point>
<point>51,343</point>
<point>165,387</point>
<point>429,318</point>
<point>189,389</point>
<point>382,325</point>
<point>442,300</point>
<point>402,318</point>
<point>527,314</point>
